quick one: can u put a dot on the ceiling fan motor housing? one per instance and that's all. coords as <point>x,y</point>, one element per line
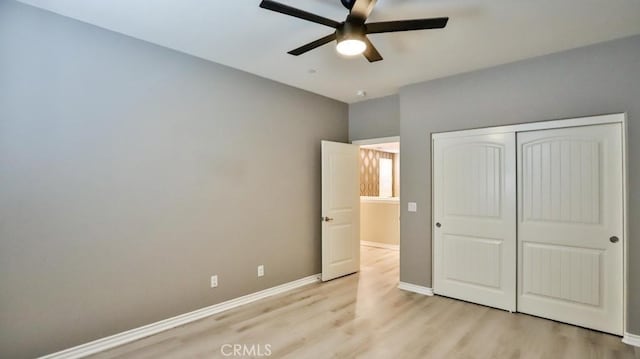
<point>351,30</point>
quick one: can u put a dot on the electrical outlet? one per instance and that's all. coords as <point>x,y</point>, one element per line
<point>214,281</point>
<point>261,270</point>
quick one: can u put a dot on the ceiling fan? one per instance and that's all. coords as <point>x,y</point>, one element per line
<point>351,34</point>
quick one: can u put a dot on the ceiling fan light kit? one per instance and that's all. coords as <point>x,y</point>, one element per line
<point>351,34</point>
<point>350,38</point>
<point>351,47</point>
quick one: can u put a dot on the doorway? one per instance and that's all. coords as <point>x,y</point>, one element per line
<point>379,170</point>
<point>360,205</point>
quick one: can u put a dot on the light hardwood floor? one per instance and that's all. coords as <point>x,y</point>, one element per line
<point>365,315</point>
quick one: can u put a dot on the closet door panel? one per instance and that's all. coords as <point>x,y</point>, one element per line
<point>474,219</point>
<point>570,209</point>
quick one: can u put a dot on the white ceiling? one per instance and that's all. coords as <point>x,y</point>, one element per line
<point>480,33</point>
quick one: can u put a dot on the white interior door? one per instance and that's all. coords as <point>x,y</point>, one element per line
<point>570,208</point>
<point>474,216</point>
<point>340,209</point>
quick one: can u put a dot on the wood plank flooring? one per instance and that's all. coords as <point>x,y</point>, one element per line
<point>365,315</point>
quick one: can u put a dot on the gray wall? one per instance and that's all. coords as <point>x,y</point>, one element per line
<point>374,118</point>
<point>130,173</point>
<point>599,79</point>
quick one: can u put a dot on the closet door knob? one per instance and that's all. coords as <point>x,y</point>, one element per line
<point>614,239</point>
<point>438,224</point>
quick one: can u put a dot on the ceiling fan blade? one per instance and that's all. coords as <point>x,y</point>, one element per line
<point>371,53</point>
<point>312,45</point>
<point>362,9</point>
<point>300,14</point>
<point>406,25</point>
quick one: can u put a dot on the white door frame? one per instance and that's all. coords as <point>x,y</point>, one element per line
<point>376,141</point>
<point>620,118</point>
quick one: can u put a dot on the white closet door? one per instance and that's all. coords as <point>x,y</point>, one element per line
<point>474,193</point>
<point>570,245</point>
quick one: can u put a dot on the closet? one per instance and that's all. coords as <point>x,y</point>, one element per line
<point>529,218</point>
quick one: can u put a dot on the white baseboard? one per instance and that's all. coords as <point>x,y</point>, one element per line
<point>115,340</point>
<point>631,339</point>
<point>416,288</point>
<point>394,247</point>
